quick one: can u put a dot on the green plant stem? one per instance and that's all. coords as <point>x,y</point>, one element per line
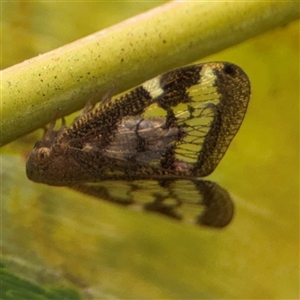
<point>125,55</point>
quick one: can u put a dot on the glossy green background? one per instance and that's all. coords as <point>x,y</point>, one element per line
<point>55,236</point>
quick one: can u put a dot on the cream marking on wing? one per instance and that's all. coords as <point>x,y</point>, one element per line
<point>153,87</point>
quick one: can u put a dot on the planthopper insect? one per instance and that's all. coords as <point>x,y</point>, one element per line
<point>150,147</point>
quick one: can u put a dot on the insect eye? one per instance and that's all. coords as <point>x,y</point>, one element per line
<point>43,154</point>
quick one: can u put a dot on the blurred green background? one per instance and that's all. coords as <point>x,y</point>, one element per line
<point>57,237</point>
